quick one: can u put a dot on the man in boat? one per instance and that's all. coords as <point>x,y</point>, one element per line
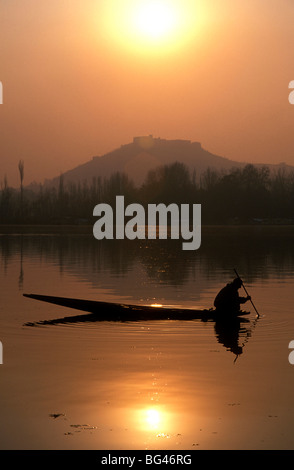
<point>228,300</point>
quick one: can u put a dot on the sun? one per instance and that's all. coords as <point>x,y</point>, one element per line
<point>150,26</point>
<point>155,19</point>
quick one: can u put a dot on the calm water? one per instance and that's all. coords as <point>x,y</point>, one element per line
<point>147,385</point>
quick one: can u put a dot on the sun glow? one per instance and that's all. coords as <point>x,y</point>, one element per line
<point>152,418</point>
<point>155,19</point>
<point>151,25</point>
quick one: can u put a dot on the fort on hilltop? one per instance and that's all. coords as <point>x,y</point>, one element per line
<point>148,141</point>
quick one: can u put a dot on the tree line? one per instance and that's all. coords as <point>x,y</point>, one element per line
<point>241,195</point>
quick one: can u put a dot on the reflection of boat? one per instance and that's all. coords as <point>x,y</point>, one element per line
<point>107,311</point>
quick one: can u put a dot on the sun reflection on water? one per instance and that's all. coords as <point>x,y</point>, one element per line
<point>153,419</point>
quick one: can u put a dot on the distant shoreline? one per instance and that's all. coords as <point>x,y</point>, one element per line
<point>87,229</point>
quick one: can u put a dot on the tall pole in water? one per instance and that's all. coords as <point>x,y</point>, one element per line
<point>246,292</point>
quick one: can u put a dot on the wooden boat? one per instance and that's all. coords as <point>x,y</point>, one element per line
<point>107,311</point>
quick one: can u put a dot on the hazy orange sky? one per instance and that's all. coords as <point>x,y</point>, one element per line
<point>82,77</point>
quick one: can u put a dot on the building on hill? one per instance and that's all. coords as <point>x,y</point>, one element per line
<point>148,141</point>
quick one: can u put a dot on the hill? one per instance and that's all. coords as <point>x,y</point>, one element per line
<point>146,153</point>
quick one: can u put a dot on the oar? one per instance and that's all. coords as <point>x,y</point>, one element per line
<point>246,292</point>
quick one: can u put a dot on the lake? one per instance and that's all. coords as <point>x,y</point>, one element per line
<point>155,384</point>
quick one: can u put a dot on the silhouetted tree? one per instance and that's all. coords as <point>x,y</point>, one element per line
<point>239,195</point>
<point>21,174</point>
<point>167,184</point>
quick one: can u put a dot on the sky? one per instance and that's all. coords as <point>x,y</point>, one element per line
<point>82,77</point>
